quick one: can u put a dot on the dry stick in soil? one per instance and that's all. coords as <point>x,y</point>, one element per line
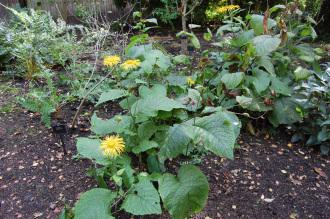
<point>85,97</point>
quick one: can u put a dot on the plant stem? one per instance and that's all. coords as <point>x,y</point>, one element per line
<point>85,97</point>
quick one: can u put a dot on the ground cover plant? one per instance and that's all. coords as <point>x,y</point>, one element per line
<point>170,108</point>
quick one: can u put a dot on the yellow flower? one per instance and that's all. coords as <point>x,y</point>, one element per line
<point>111,61</point>
<point>112,146</point>
<point>131,64</point>
<point>190,81</point>
<point>224,9</point>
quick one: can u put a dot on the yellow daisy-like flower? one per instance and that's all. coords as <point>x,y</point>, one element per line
<point>131,64</point>
<point>224,9</point>
<point>113,146</point>
<point>190,81</point>
<point>111,61</point>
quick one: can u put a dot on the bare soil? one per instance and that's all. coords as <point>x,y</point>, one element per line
<point>269,177</point>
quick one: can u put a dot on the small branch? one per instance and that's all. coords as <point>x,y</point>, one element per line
<point>85,97</point>
<point>193,8</point>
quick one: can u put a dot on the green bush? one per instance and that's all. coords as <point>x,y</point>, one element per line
<point>33,41</point>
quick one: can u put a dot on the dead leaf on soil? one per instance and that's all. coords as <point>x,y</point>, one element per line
<point>294,181</point>
<point>37,214</point>
<point>268,200</point>
<point>320,172</point>
<point>293,216</point>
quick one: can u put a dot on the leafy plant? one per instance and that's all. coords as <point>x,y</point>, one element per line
<point>45,100</point>
<point>35,41</point>
<point>160,124</point>
<point>313,94</point>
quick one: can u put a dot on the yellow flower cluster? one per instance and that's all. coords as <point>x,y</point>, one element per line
<point>131,64</point>
<point>226,8</point>
<point>110,61</point>
<point>190,81</point>
<point>113,146</point>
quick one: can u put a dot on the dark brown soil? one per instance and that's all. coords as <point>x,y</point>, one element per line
<point>269,177</point>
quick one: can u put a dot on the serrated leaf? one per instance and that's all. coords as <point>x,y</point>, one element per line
<point>143,199</point>
<point>90,148</point>
<point>244,101</point>
<point>118,124</point>
<point>217,133</point>
<point>232,80</point>
<point>252,104</point>
<point>155,58</point>
<point>257,23</point>
<point>147,129</point>
<point>110,95</point>
<point>243,38</point>
<point>193,100</point>
<point>144,146</point>
<point>260,81</point>
<point>266,44</point>
<point>95,203</point>
<point>152,101</point>
<point>284,112</point>
<point>280,87</point>
<point>185,194</point>
<point>266,62</point>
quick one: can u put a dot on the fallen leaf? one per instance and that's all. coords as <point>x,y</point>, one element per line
<point>268,200</point>
<point>293,216</point>
<point>294,181</point>
<point>38,214</point>
<point>320,172</point>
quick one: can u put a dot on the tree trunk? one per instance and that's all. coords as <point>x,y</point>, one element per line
<point>184,40</point>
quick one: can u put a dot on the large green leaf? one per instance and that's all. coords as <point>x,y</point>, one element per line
<point>94,204</point>
<point>155,58</point>
<point>257,23</point>
<point>285,112</point>
<point>252,104</point>
<point>90,148</point>
<point>111,95</point>
<point>147,129</point>
<point>152,101</point>
<point>266,62</point>
<point>280,87</point>
<point>261,81</point>
<point>266,44</point>
<point>143,199</point>
<point>144,146</point>
<point>301,73</point>
<point>242,38</point>
<point>193,100</point>
<point>217,133</point>
<point>232,80</point>
<point>118,124</point>
<point>185,194</point>
<point>139,51</point>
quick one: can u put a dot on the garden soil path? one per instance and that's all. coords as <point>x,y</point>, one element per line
<point>269,178</point>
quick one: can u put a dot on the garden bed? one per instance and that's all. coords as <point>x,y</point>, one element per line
<point>269,177</point>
